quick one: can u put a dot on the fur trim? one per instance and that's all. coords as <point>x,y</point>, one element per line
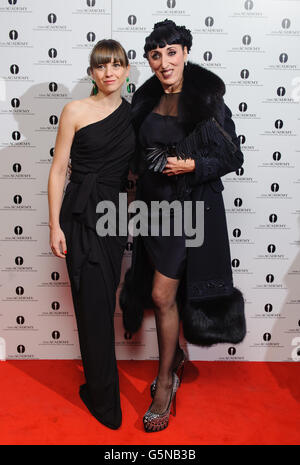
<point>133,301</point>
<point>201,97</point>
<point>131,307</point>
<point>215,321</point>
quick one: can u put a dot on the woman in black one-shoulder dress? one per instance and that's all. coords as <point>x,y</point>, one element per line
<point>101,142</point>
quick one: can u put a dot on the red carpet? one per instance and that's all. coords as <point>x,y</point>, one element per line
<point>217,403</point>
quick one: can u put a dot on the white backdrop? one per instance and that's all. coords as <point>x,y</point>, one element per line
<point>254,47</point>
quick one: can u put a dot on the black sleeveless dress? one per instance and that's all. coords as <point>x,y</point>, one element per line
<point>166,253</point>
<point>100,156</point>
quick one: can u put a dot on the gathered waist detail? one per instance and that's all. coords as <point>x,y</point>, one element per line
<point>88,182</point>
<point>84,237</point>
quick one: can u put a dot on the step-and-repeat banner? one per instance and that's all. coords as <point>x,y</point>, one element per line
<point>254,47</point>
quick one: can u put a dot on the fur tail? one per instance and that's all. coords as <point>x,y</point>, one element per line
<point>215,321</point>
<point>130,305</point>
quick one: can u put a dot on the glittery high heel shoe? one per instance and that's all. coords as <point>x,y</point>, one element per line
<point>158,421</point>
<point>179,369</point>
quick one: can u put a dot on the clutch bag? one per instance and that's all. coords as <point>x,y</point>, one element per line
<point>156,157</point>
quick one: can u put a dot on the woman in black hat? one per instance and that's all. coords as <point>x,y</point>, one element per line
<point>187,141</point>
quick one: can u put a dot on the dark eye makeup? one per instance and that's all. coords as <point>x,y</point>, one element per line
<point>156,54</point>
<point>117,64</point>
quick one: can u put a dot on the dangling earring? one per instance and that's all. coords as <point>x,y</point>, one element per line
<point>185,63</point>
<point>95,88</point>
<point>127,85</point>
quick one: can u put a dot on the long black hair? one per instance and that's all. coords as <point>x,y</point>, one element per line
<point>167,33</point>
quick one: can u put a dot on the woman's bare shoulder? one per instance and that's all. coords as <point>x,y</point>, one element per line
<point>75,111</point>
<point>77,105</point>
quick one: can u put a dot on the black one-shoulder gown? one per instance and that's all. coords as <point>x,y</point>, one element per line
<point>100,156</point>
